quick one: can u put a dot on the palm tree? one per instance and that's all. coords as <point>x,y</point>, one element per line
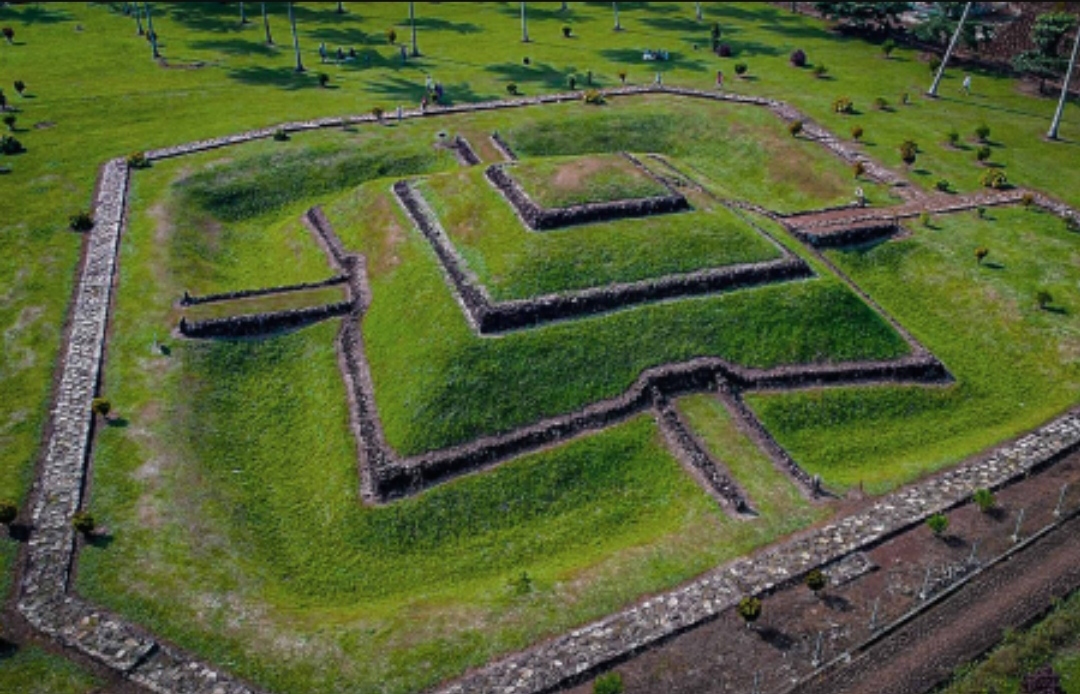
<point>948,51</point>
<point>340,7</point>
<point>524,25</point>
<point>138,20</point>
<point>243,15</point>
<point>266,25</point>
<point>697,10</point>
<point>412,22</point>
<point>1064,91</point>
<point>615,6</point>
<point>295,39</point>
<point>150,31</point>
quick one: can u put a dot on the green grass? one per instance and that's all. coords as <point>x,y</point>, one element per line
<point>1055,640</point>
<point>515,263</point>
<point>1015,364</point>
<point>437,383</point>
<point>264,304</point>
<point>770,493</point>
<point>30,670</point>
<point>566,181</point>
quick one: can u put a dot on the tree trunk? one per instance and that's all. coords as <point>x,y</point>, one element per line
<point>948,51</point>
<point>412,22</point>
<point>150,31</point>
<point>243,15</point>
<point>615,6</point>
<point>524,25</point>
<point>138,20</point>
<point>266,26</point>
<point>1056,123</point>
<point>295,39</point>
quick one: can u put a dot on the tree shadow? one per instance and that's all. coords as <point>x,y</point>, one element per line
<point>37,13</point>
<point>954,541</point>
<point>19,532</point>
<point>210,16</point>
<point>992,265</point>
<point>436,24</point>
<point>117,422</point>
<point>281,77</point>
<point>776,638</point>
<point>633,56</point>
<point>347,37</point>
<point>100,539</point>
<point>405,91</point>
<point>237,46</point>
<point>1056,310</point>
<point>542,74</point>
<point>7,649</point>
<point>539,14</point>
<point>687,24</point>
<point>836,603</point>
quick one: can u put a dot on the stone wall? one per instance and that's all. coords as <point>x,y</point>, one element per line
<point>504,147</point>
<point>189,300</point>
<point>262,323</point>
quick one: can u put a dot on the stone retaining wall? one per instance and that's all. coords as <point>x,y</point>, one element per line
<point>465,153</point>
<point>262,323</point>
<point>189,300</point>
<point>504,147</point>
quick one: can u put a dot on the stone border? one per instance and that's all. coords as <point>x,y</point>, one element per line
<point>262,323</point>
<point>487,316</point>
<point>504,147</point>
<point>189,300</point>
<point>44,596</point>
<point>539,218</point>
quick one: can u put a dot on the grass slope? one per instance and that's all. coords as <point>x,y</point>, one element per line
<point>515,263</point>
<point>1015,364</point>
<point>30,670</point>
<point>563,182</point>
<point>437,383</point>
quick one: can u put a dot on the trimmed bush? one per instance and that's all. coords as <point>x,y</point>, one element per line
<point>820,70</point>
<point>1027,200</point>
<point>924,219</point>
<point>391,36</point>
<point>880,103</point>
<point>934,64</point>
<point>9,145</point>
<point>20,86</point>
<point>324,79</point>
<point>908,151</point>
<point>83,522</point>
<point>888,47</point>
<point>938,524</point>
<point>943,185</point>
<point>1044,298</point>
<point>622,76</point>
<point>377,112</point>
<point>983,498</point>
<point>982,132</point>
<point>8,511</point>
<point>724,51</point>
<point>749,609</point>
<point>856,133</point>
<point>815,580</point>
<point>740,69</point>
<point>512,89</point>
<point>798,58</point>
<point>994,178</point>
<point>567,32</point>
<point>608,683</point>
<point>138,160</point>
<point>795,127</point>
<point>9,34</point>
<point>81,221</point>
<point>9,121</point>
<point>858,169</point>
<point>101,406</point>
<point>594,97</point>
<point>280,135</point>
<point>843,104</point>
<point>983,153</point>
<point>953,137</point>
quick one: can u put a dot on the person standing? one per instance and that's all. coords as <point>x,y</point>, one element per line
<point>967,85</point>
<point>719,79</point>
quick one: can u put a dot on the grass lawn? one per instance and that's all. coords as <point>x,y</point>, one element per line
<point>513,262</point>
<point>1015,364</point>
<point>566,181</point>
<point>30,670</point>
<point>437,383</point>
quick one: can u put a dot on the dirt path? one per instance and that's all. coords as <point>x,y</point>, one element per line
<point>925,652</point>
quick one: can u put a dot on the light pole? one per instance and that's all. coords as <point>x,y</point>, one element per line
<point>1064,91</point>
<point>948,51</point>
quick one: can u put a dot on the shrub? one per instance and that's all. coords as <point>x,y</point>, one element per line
<point>521,585</point>
<point>9,121</point>
<point>953,137</point>
<point>820,70</point>
<point>924,219</point>
<point>858,168</point>
<point>324,79</point>
<point>83,522</point>
<point>749,609</point>
<point>1042,681</point>
<point>880,103</point>
<point>908,151</point>
<point>567,32</point>
<point>594,97</point>
<point>8,511</point>
<point>857,132</point>
<point>138,160</point>
<point>571,82</point>
<point>983,498</point>
<point>1072,224</point>
<point>81,221</point>
<point>8,33</point>
<point>980,212</point>
<point>608,683</point>
<point>982,153</point>
<point>101,406</point>
<point>391,36</point>
<point>1044,298</point>
<point>622,76</point>
<point>280,135</point>
<point>905,98</point>
<point>994,178</point>
<point>815,580</point>
<point>938,524</point>
<point>888,47</point>
<point>377,112</point>
<point>935,63</point>
<point>982,132</point>
<point>798,57</point>
<point>943,185</point>
<point>9,145</point>
<point>512,89</point>
<point>795,127</point>
<point>724,51</point>
<point>740,69</point>
<point>20,86</point>
<point>842,104</point>
<point>525,60</point>
<point>1027,200</point>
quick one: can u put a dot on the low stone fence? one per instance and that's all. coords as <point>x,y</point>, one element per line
<point>189,300</point>
<point>540,218</point>
<point>850,235</point>
<point>465,153</point>
<point>262,323</point>
<point>504,147</point>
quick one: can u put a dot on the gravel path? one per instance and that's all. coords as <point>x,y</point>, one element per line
<point>924,653</point>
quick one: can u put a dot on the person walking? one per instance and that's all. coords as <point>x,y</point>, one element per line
<point>966,87</point>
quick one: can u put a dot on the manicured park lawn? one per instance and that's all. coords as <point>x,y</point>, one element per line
<point>562,182</point>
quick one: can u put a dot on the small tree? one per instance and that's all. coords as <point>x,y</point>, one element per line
<point>8,511</point>
<point>908,151</point>
<point>280,135</point>
<point>980,256</point>
<point>858,169</point>
<point>378,113</point>
<point>798,58</point>
<point>795,127</point>
<point>83,522</point>
<point>567,32</point>
<point>512,89</point>
<point>101,406</point>
<point>815,580</point>
<point>994,178</point>
<point>9,34</point>
<point>391,36</point>
<point>880,104</point>
<point>843,104</point>
<point>1044,298</point>
<point>820,70</point>
<point>324,79</point>
<point>81,221</point>
<point>934,64</point>
<point>983,153</point>
<point>925,219</point>
<point>740,69</point>
<point>749,609</point>
<point>856,133</point>
<point>9,121</point>
<point>938,524</point>
<point>953,137</point>
<point>608,683</point>
<point>1046,60</point>
<point>138,160</point>
<point>622,76</point>
<point>943,185</point>
<point>888,47</point>
<point>982,132</point>
<point>983,498</point>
